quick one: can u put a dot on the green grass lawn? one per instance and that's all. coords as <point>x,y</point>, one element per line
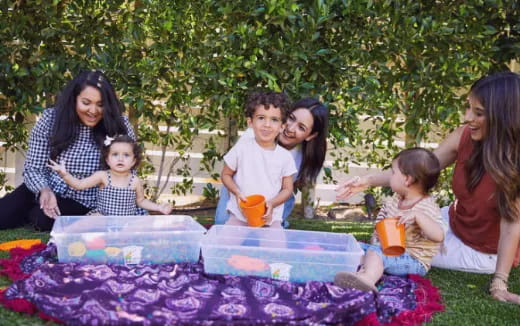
<point>463,293</point>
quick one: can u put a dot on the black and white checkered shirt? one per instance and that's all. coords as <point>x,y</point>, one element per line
<point>81,160</point>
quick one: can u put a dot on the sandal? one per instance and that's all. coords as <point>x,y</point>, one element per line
<point>351,280</point>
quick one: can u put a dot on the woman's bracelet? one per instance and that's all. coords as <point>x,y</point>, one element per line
<point>498,282</point>
<point>501,276</point>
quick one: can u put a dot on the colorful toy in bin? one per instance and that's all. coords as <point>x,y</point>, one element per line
<point>297,256</point>
<point>96,254</point>
<point>112,251</point>
<point>313,247</point>
<point>253,209</point>
<point>156,239</point>
<point>96,243</point>
<point>77,249</point>
<point>246,263</point>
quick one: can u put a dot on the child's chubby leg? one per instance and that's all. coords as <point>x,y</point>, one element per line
<point>372,268</point>
<point>370,272</point>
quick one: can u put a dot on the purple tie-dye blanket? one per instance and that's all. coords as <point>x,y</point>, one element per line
<point>182,294</point>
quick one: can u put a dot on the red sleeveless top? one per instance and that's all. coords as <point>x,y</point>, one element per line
<point>474,217</point>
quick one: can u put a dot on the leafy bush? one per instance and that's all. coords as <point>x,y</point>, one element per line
<point>387,69</point>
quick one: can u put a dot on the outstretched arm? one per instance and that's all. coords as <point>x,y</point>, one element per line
<point>446,153</point>
<point>357,184</point>
<point>447,150</point>
<point>144,203</point>
<point>78,184</point>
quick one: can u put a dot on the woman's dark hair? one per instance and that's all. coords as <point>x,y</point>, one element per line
<point>498,153</point>
<point>136,149</point>
<point>67,122</point>
<point>277,100</point>
<point>420,164</point>
<point>314,150</point>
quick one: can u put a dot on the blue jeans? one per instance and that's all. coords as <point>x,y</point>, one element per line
<point>400,265</point>
<point>222,215</point>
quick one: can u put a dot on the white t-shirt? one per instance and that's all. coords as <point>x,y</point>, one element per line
<point>296,152</point>
<point>258,171</point>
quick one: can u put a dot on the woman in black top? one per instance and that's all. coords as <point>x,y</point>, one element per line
<point>73,132</point>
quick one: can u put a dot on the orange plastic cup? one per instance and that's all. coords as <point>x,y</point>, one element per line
<point>253,209</point>
<point>391,235</point>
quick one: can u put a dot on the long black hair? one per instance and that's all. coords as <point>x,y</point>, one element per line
<point>498,153</point>
<point>67,122</point>
<point>314,150</point>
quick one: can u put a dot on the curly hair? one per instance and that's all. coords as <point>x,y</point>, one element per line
<point>277,100</point>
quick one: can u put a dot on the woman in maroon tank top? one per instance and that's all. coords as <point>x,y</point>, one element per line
<point>485,218</point>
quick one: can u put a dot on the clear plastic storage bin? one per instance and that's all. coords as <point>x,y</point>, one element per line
<point>152,239</point>
<point>293,255</point>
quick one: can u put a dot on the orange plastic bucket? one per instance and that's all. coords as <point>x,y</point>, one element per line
<point>391,236</point>
<point>253,209</point>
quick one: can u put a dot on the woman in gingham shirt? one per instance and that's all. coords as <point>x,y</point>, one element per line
<point>86,112</point>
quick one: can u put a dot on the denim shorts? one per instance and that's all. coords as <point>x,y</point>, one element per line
<point>400,265</point>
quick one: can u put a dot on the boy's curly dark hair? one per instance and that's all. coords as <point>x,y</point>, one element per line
<point>121,139</point>
<point>277,100</point>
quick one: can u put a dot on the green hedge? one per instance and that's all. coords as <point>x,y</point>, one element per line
<point>403,65</point>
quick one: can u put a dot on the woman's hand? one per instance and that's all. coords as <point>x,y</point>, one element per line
<point>48,203</point>
<point>268,216</point>
<point>352,186</point>
<point>498,290</point>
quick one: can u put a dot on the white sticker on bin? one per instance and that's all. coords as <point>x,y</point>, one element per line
<point>280,271</point>
<point>132,254</point>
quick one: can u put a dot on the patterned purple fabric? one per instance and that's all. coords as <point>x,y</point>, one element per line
<point>182,294</point>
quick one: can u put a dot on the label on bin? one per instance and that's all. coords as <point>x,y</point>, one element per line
<point>280,271</point>
<point>132,254</point>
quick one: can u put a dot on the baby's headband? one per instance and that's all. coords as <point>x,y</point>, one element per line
<point>108,140</point>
